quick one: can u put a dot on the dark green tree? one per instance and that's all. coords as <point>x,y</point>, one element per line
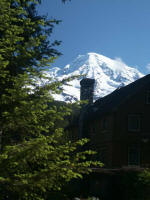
<point>35,158</point>
<point>24,51</point>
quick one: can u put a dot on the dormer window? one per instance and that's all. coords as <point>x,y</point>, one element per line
<point>148,97</point>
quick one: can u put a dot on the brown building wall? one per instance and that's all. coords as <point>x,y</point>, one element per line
<point>100,135</point>
<point>113,139</point>
<point>123,138</point>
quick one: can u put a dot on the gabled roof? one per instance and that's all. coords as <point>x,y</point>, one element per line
<point>110,102</point>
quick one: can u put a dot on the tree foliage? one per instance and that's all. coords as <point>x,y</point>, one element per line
<point>25,50</point>
<point>30,169</point>
<point>35,158</point>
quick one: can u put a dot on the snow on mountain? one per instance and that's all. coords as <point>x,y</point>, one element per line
<point>109,74</point>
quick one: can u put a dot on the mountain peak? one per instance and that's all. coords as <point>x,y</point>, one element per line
<point>108,73</point>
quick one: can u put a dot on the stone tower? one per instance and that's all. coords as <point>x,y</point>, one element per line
<point>87,89</point>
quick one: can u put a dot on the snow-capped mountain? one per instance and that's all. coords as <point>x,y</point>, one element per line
<point>109,74</point>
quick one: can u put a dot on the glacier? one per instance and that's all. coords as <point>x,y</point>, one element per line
<point>109,74</point>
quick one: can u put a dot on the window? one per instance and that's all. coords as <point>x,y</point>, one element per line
<point>148,97</point>
<point>133,155</point>
<point>134,122</point>
<point>104,124</point>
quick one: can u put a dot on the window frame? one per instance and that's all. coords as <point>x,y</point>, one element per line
<point>130,128</point>
<point>105,124</point>
<point>137,161</point>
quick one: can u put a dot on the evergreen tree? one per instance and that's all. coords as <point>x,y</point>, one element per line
<point>24,51</point>
<point>35,158</point>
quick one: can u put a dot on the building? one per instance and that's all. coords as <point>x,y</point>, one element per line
<point>118,125</point>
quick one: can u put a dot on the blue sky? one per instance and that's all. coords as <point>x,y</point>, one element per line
<point>113,28</point>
